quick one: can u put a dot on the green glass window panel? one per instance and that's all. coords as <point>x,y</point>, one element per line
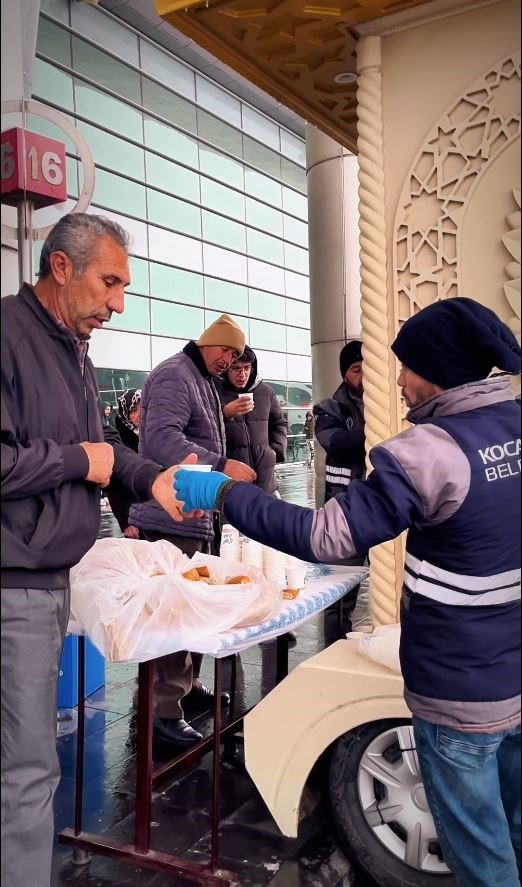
<point>295,203</point>
<point>52,85</point>
<point>108,111</point>
<point>295,231</point>
<point>293,175</point>
<point>298,313</point>
<point>180,321</point>
<point>261,186</point>
<point>72,176</point>
<point>168,105</point>
<point>297,341</point>
<point>171,177</point>
<point>219,133</point>
<point>266,305</point>
<point>262,246</point>
<point>223,232</point>
<point>54,42</point>
<point>119,194</point>
<point>226,297</point>
<point>222,199</point>
<point>103,69</point>
<point>173,213</point>
<point>261,216</point>
<point>296,258</point>
<point>139,272</point>
<point>169,141</point>
<point>46,128</point>
<point>135,318</point>
<point>299,395</point>
<point>262,157</point>
<point>221,167</point>
<point>175,285</point>
<point>271,336</point>
<point>115,153</point>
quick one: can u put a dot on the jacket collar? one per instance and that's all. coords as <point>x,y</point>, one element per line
<point>464,398</point>
<point>192,351</point>
<point>345,395</point>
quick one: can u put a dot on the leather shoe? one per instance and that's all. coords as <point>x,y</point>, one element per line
<point>176,731</point>
<point>201,698</point>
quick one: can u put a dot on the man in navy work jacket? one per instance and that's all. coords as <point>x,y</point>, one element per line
<point>55,458</point>
<point>452,481</point>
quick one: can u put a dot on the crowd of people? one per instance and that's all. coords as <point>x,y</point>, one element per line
<point>451,481</point>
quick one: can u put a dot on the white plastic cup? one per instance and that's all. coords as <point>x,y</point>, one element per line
<point>295,577</point>
<point>196,467</point>
<point>248,397</point>
<point>230,548</point>
<point>252,553</point>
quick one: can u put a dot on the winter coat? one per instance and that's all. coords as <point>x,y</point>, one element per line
<point>309,428</point>
<point>339,428</point>
<point>180,413</point>
<point>257,438</point>
<point>452,481</point>
<point>50,513</point>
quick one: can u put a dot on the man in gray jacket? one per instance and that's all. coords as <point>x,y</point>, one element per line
<point>181,414</point>
<point>54,462</point>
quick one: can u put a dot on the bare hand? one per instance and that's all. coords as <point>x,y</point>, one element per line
<point>101,462</point>
<point>237,407</point>
<point>239,471</point>
<point>131,533</point>
<point>165,495</point>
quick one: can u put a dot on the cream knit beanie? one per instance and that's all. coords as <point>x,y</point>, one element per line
<point>224,331</point>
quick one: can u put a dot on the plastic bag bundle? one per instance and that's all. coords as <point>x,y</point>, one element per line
<point>135,605</point>
<point>381,646</point>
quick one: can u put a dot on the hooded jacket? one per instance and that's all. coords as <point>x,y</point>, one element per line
<point>339,428</point>
<point>257,438</point>
<point>180,414</point>
<point>452,481</point>
<point>50,513</point>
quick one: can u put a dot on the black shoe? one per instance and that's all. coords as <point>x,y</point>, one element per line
<point>291,637</point>
<point>200,698</point>
<point>175,730</point>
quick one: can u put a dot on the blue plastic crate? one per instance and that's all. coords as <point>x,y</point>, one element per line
<point>68,682</point>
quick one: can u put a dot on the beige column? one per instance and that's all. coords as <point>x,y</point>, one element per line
<point>335,313</point>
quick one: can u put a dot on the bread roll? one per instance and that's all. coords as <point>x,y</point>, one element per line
<point>239,580</point>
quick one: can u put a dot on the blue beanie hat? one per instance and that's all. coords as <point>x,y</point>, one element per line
<point>456,341</point>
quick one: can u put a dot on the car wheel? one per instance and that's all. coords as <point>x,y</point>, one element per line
<point>379,808</point>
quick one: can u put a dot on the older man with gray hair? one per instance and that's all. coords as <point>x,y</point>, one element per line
<point>55,459</point>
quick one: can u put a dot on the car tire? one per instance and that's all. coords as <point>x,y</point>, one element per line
<point>379,810</point>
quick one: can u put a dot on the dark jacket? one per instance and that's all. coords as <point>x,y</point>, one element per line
<point>258,438</point>
<point>339,428</point>
<point>119,496</point>
<point>309,426</point>
<point>180,414</point>
<point>50,514</point>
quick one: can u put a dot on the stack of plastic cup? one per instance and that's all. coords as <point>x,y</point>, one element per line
<point>274,565</point>
<point>230,549</point>
<point>295,577</point>
<point>252,553</point>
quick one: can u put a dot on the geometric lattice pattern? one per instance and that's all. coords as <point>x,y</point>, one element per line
<point>472,132</point>
<point>293,49</point>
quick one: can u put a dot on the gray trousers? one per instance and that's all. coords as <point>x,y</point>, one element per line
<point>34,623</point>
<point>175,673</point>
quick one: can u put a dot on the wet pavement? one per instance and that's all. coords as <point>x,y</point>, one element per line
<point>251,844</point>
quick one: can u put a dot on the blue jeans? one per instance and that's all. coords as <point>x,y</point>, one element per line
<point>472,783</point>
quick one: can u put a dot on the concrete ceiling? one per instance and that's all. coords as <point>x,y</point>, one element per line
<point>141,14</point>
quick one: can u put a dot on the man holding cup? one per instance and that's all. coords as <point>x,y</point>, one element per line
<point>181,414</point>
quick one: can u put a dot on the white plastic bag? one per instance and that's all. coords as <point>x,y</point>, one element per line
<point>381,646</point>
<point>135,605</point>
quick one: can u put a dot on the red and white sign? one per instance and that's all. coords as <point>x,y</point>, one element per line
<point>32,167</point>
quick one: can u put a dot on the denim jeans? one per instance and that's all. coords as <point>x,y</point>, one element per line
<point>472,783</point>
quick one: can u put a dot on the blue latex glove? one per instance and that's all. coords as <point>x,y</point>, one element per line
<point>198,490</point>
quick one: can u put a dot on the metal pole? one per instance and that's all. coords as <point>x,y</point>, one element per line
<point>25,241</point>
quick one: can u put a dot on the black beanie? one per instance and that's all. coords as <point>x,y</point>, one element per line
<point>351,353</point>
<point>456,341</point>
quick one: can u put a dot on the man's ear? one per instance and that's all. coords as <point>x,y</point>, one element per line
<point>61,267</point>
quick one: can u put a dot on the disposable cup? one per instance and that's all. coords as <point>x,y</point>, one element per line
<point>246,396</point>
<point>295,577</point>
<point>196,467</point>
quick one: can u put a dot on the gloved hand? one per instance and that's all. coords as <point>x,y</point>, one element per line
<point>198,489</point>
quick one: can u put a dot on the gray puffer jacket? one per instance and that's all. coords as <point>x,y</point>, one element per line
<point>180,414</point>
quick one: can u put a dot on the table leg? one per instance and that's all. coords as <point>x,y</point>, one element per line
<point>281,658</point>
<point>80,857</point>
<point>216,768</point>
<point>144,757</point>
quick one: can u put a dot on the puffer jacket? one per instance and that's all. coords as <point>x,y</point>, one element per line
<point>339,428</point>
<point>180,414</point>
<point>258,438</point>
<point>452,481</point>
